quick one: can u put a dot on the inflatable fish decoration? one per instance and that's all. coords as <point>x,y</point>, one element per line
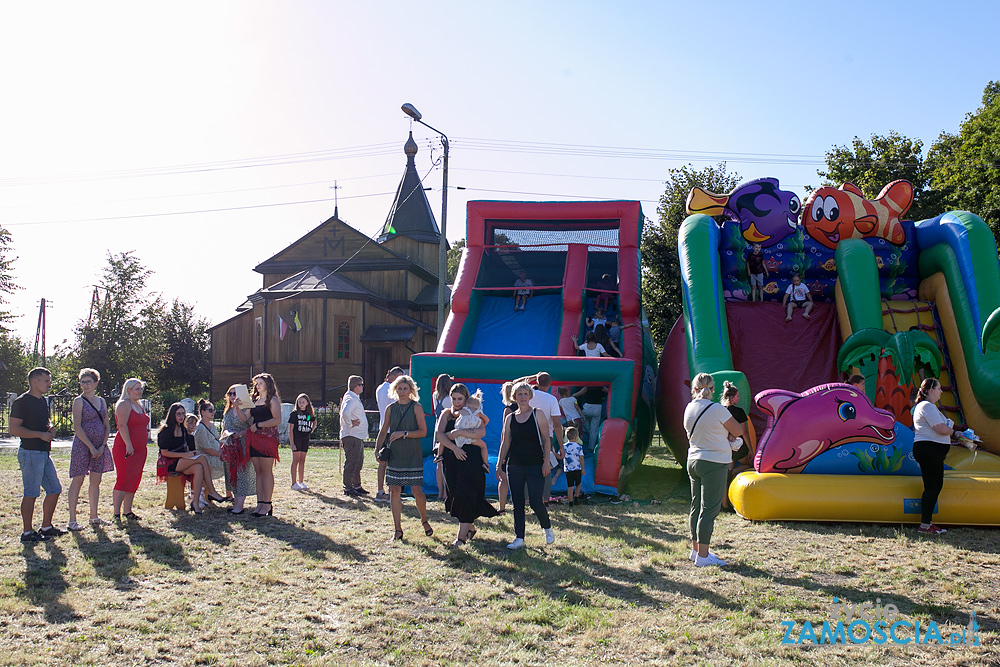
<point>800,427</point>
<point>835,214</point>
<point>765,213</point>
<point>829,265</point>
<point>771,287</point>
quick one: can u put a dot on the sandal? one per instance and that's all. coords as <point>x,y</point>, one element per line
<point>397,536</point>
<point>472,533</point>
<point>74,526</point>
<point>269,512</point>
<point>99,522</point>
<point>131,516</point>
<point>428,531</point>
<point>196,511</point>
<point>459,542</point>
<point>216,498</point>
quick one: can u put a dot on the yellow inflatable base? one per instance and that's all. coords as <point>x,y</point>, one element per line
<point>968,498</point>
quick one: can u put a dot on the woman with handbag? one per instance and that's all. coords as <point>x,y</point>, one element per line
<point>713,434</point>
<point>90,454</point>
<point>524,452</point>
<point>398,444</point>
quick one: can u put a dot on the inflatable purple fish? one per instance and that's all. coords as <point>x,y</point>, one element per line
<point>765,213</point>
<point>800,427</point>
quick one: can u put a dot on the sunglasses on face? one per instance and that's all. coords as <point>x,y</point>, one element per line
<point>232,393</point>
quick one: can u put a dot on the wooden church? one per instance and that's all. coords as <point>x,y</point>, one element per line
<point>336,303</point>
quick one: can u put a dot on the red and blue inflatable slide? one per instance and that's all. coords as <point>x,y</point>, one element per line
<point>578,257</point>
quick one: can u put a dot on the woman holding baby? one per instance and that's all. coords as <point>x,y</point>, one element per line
<point>464,470</point>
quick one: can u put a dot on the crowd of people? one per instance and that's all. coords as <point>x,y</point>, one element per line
<point>242,457</point>
<point>189,446</point>
<point>540,434</point>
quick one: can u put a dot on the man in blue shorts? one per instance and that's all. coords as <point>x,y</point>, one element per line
<point>29,420</point>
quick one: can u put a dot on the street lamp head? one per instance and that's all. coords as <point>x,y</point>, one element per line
<point>411,111</point>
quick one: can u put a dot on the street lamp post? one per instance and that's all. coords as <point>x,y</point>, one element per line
<point>412,112</point>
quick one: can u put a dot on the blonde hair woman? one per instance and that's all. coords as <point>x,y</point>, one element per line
<point>398,444</point>
<point>129,448</point>
<point>90,453</point>
<point>713,435</point>
<point>524,452</point>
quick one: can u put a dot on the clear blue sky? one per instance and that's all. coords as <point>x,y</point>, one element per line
<point>189,131</point>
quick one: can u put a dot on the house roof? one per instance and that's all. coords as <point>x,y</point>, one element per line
<point>389,334</point>
<point>410,213</point>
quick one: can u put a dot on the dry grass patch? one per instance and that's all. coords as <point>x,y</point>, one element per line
<point>320,584</point>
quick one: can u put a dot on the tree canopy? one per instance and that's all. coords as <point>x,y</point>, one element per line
<point>873,165</point>
<point>965,167</point>
<point>959,172</point>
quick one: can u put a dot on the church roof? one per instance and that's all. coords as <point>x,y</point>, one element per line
<point>410,214</point>
<point>318,279</point>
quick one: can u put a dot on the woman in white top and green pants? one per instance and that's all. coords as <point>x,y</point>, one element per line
<point>710,428</point>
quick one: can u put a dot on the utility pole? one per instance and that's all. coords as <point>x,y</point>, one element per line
<point>40,332</point>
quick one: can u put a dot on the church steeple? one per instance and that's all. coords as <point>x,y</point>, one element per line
<point>410,214</point>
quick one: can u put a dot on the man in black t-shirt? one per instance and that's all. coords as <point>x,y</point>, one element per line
<point>29,420</point>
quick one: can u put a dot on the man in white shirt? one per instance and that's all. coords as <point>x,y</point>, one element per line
<point>382,396</point>
<point>549,405</point>
<point>353,431</point>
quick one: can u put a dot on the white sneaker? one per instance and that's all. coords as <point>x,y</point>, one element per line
<point>693,555</point>
<point>295,486</point>
<point>550,537</point>
<point>518,543</point>
<point>303,487</point>
<point>709,560</point>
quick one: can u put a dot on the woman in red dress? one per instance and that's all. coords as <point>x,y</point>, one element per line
<point>129,449</point>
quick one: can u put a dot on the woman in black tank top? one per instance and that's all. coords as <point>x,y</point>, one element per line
<point>524,451</point>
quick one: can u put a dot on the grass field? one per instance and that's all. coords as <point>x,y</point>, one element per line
<point>320,583</point>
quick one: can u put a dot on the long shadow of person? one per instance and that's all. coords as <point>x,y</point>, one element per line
<point>111,559</point>
<point>44,581</point>
<point>309,543</point>
<point>157,546</point>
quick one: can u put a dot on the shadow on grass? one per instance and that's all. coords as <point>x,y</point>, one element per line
<point>45,582</point>
<point>309,543</point>
<point>157,547</point>
<point>111,559</point>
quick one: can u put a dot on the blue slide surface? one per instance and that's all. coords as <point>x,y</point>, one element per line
<point>532,332</point>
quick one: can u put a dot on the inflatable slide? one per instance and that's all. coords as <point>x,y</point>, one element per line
<point>577,256</point>
<point>894,301</point>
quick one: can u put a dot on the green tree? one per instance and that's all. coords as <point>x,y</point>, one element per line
<point>15,362</point>
<point>454,258</point>
<point>185,365</point>
<point>7,284</point>
<point>125,338</point>
<point>661,272</point>
<point>873,165</point>
<point>965,167</point>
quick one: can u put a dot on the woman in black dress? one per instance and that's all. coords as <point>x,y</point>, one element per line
<point>177,448</point>
<point>463,471</point>
<point>262,438</point>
